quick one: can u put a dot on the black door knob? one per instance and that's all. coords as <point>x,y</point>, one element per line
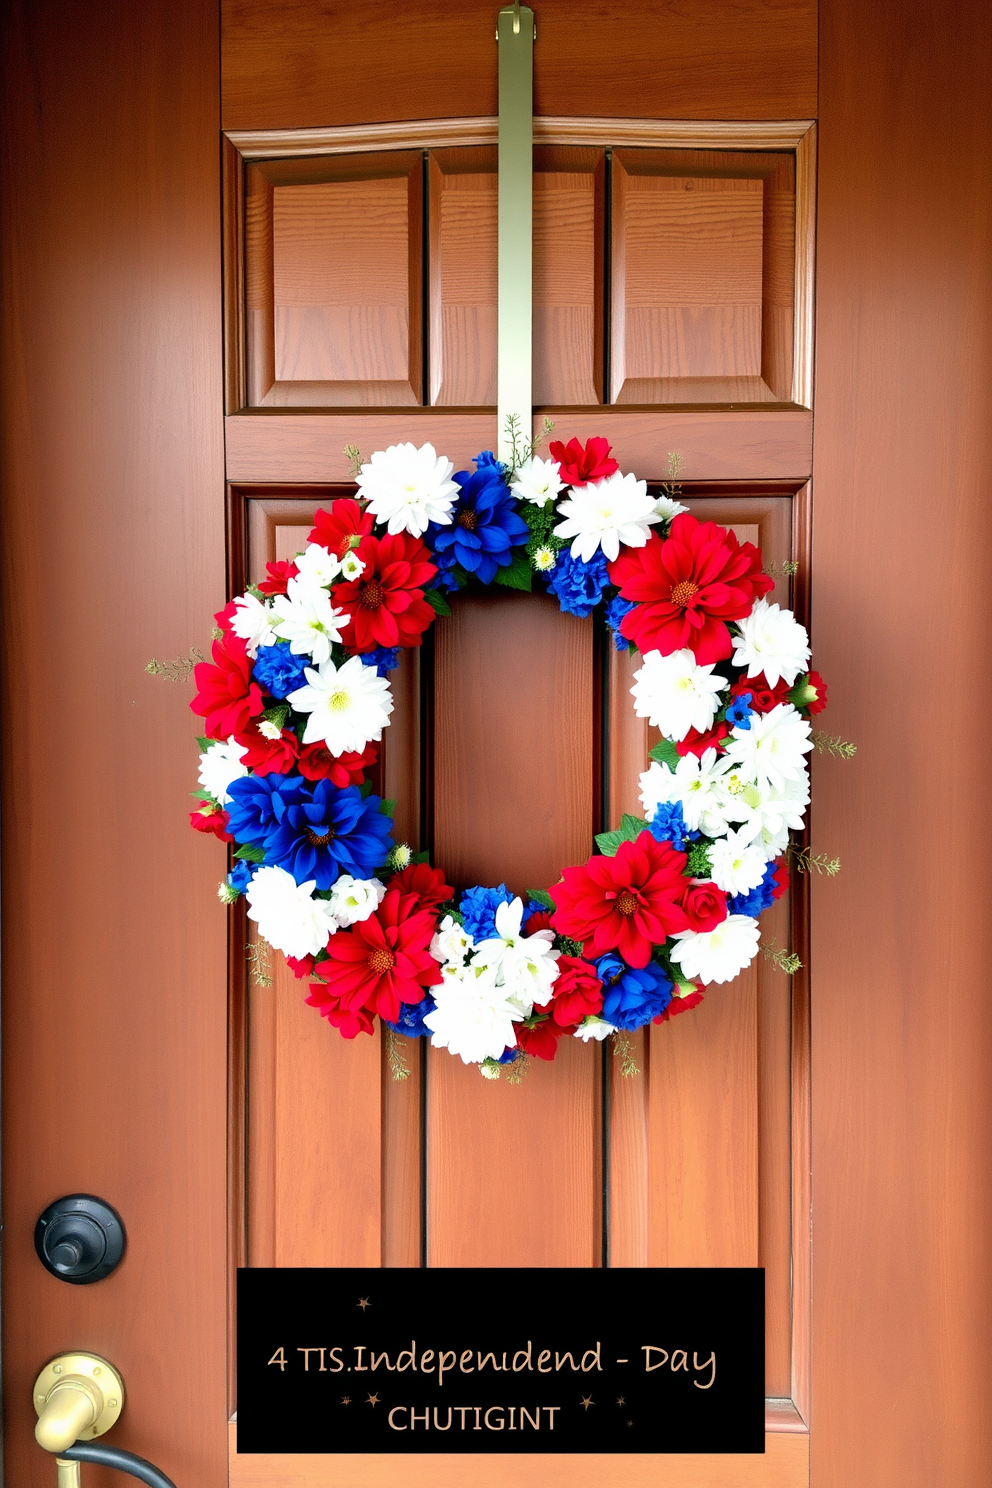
<point>80,1239</point>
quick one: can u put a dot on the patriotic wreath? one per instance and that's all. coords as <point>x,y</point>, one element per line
<point>297,696</point>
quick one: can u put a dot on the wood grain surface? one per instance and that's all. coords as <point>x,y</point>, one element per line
<point>902,939</point>
<point>114,1033</point>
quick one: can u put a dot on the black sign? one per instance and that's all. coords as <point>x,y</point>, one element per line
<point>501,1360</point>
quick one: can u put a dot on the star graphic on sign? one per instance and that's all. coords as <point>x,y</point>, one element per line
<point>363,1302</point>
<point>621,1401</point>
<point>586,1402</point>
<point>372,1400</point>
<point>345,1399</point>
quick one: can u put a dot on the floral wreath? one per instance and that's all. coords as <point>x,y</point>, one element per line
<point>297,696</point>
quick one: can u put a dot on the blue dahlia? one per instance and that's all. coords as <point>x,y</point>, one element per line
<point>478,907</point>
<point>325,831</point>
<point>578,586</point>
<point>240,875</point>
<point>278,669</point>
<point>668,825</point>
<point>258,803</point>
<point>384,658</point>
<point>411,1019</point>
<point>484,525</point>
<point>758,899</point>
<point>631,996</point>
<point>739,712</point>
<point>615,611</point>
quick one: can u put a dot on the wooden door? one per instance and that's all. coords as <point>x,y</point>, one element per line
<point>133,1067</point>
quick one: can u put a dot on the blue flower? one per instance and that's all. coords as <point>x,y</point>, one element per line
<point>324,831</point>
<point>758,899</point>
<point>615,611</point>
<point>383,658</point>
<point>478,907</point>
<point>278,669</point>
<point>257,804</point>
<point>484,526</point>
<point>578,586</point>
<point>411,1019</point>
<point>632,997</point>
<point>240,875</point>
<point>668,825</point>
<point>508,1056</point>
<point>739,713</point>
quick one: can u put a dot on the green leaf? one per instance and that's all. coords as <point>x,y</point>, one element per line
<point>631,827</point>
<point>422,857</point>
<point>437,602</point>
<point>459,575</point>
<point>608,842</point>
<point>541,896</point>
<point>387,807</point>
<point>204,795</point>
<point>250,854</point>
<point>518,575</point>
<point>365,789</point>
<point>665,753</point>
<point>204,744</point>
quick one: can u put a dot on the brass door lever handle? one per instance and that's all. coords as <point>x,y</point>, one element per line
<point>77,1397</point>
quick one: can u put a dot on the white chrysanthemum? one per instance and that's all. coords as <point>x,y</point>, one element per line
<point>717,955</point>
<point>318,567</point>
<point>524,964</point>
<point>771,751</point>
<point>307,620</point>
<point>253,622</point>
<point>219,765</point>
<point>695,784</point>
<point>352,567</point>
<point>452,943</point>
<point>473,1017</point>
<point>592,1027</point>
<point>348,705</point>
<point>287,914</point>
<point>772,641</point>
<point>269,729</point>
<point>408,488</point>
<point>765,816</point>
<point>544,559</point>
<point>605,514</point>
<point>538,481</point>
<point>354,899</point>
<point>737,866</point>
<point>675,694</point>
<point>668,509</point>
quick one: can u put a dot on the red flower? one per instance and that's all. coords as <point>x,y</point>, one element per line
<point>265,755</point>
<point>539,920</point>
<point>697,743</point>
<point>224,617</point>
<point>811,694</point>
<point>277,576</point>
<point>348,1021</point>
<point>210,818</point>
<point>578,466</point>
<point>228,697</point>
<point>380,963</point>
<point>300,966</point>
<point>542,1039</point>
<point>335,529</point>
<point>685,588</point>
<point>781,880</point>
<point>763,697</point>
<point>705,906</point>
<point>424,882</point>
<point>386,602</point>
<point>628,903</point>
<point>577,990</point>
<point>316,761</point>
<point>680,1005</point>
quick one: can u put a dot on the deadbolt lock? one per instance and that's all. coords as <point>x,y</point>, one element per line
<point>77,1397</point>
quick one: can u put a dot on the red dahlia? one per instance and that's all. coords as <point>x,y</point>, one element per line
<point>686,587</point>
<point>386,602</point>
<point>228,697</point>
<point>628,903</point>
<point>317,762</point>
<point>577,990</point>
<point>336,529</point>
<point>542,1039</point>
<point>578,466</point>
<point>277,576</point>
<point>265,755</point>
<point>425,883</point>
<point>378,964</point>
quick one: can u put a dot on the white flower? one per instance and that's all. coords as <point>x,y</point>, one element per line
<point>252,621</point>
<point>348,705</point>
<point>524,964</point>
<point>737,866</point>
<point>407,488</point>
<point>537,481</point>
<point>771,641</point>
<point>451,943</point>
<point>771,751</point>
<point>352,567</point>
<point>765,815</point>
<point>592,1027</point>
<point>717,955</point>
<point>667,509</point>
<point>287,914</point>
<point>544,559</point>
<point>219,765</point>
<point>399,856</point>
<point>695,783</point>
<point>605,514</point>
<point>268,729</point>
<point>473,1016</point>
<point>676,695</point>
<point>307,620</point>
<point>354,899</point>
<point>317,567</point>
